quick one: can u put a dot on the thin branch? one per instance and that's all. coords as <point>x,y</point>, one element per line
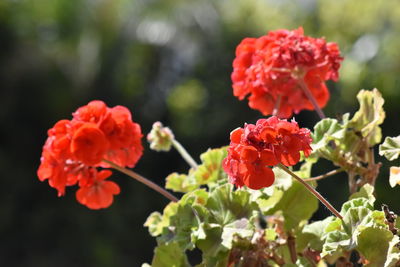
<point>143,180</point>
<point>323,176</point>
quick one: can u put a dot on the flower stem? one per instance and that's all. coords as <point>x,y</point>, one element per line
<point>291,242</point>
<point>185,155</point>
<point>323,176</point>
<point>143,180</point>
<point>277,106</point>
<point>312,190</point>
<point>310,97</point>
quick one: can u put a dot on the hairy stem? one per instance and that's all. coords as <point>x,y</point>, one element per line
<point>323,176</point>
<point>310,97</point>
<point>312,190</point>
<point>143,180</point>
<point>185,155</point>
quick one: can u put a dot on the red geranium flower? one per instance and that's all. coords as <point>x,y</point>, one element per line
<point>256,147</point>
<point>97,193</point>
<point>75,149</point>
<point>272,68</point>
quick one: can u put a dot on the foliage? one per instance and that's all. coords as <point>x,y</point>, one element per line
<point>271,225</point>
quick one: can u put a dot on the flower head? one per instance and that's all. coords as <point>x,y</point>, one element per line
<point>75,149</point>
<point>256,147</point>
<point>272,67</point>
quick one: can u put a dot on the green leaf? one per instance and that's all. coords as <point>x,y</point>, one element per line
<point>283,180</point>
<point>390,148</point>
<point>325,131</point>
<point>354,203</point>
<point>266,203</point>
<point>305,169</point>
<point>214,254</point>
<point>211,168</point>
<point>316,231</point>
<point>336,241</point>
<point>370,115</point>
<point>181,182</point>
<point>297,204</point>
<point>373,244</point>
<point>226,205</point>
<point>157,222</point>
<point>208,173</point>
<point>367,191</point>
<point>393,255</point>
<point>241,228</point>
<point>169,255</point>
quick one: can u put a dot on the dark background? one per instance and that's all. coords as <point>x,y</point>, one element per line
<point>165,60</point>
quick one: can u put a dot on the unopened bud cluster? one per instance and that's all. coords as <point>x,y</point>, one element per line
<point>160,137</point>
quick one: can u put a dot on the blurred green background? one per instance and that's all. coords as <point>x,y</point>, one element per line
<point>165,60</point>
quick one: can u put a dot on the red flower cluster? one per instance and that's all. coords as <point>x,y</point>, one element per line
<point>255,147</point>
<point>74,148</point>
<point>273,67</point>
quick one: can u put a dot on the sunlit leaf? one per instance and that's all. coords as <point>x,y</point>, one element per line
<point>370,115</point>
<point>181,182</point>
<point>373,244</point>
<point>393,255</point>
<point>169,255</point>
<point>297,204</point>
<point>367,191</point>
<point>390,148</point>
<point>210,169</point>
<point>316,232</point>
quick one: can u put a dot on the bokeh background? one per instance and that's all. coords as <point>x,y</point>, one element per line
<point>167,60</point>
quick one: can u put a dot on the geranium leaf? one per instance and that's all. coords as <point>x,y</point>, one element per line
<point>370,115</point>
<point>169,255</point>
<point>390,148</point>
<point>226,205</point>
<point>393,255</point>
<point>297,204</point>
<point>316,232</point>
<point>367,191</point>
<point>211,168</point>
<point>181,182</point>
<point>373,244</point>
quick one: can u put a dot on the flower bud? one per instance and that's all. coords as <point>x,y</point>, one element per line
<point>160,138</point>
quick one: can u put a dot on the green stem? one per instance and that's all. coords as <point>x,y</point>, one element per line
<point>185,155</point>
<point>310,97</point>
<point>312,190</point>
<point>143,180</point>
